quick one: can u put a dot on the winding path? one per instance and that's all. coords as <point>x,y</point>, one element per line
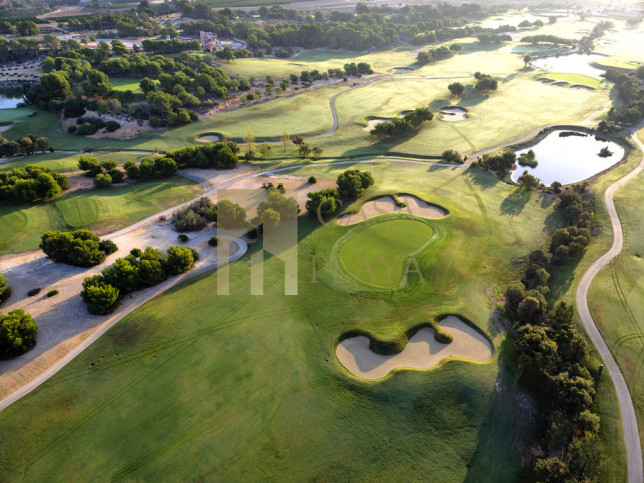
<point>627,409</point>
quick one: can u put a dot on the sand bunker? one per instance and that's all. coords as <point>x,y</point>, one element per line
<point>560,84</point>
<point>585,88</point>
<point>401,70</point>
<point>373,123</point>
<point>208,138</point>
<point>545,80</point>
<point>453,113</point>
<point>6,127</point>
<point>382,206</point>
<point>421,352</point>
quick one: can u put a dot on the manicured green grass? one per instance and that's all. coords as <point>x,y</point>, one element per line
<point>125,83</point>
<point>101,211</point>
<point>379,252</point>
<point>64,162</point>
<point>243,387</point>
<point>628,64</point>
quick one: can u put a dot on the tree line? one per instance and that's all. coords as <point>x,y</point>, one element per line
<point>402,125</point>
<point>31,184</point>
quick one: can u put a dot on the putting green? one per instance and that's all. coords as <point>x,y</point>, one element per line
<point>380,254</point>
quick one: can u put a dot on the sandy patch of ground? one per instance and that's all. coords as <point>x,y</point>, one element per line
<point>6,128</point>
<point>381,206</point>
<point>421,352</point>
<point>29,70</point>
<point>130,128</point>
<point>585,88</point>
<point>454,113</point>
<point>373,123</point>
<point>210,138</point>
<point>401,70</point>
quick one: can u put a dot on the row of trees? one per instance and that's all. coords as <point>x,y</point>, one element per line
<point>443,52</point>
<point>221,155</point>
<point>402,125</point>
<point>31,184</point>
<point>80,248</point>
<point>24,145</point>
<point>628,85</point>
<point>17,328</point>
<point>140,269</point>
<point>551,357</point>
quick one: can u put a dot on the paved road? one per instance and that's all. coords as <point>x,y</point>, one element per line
<point>629,419</point>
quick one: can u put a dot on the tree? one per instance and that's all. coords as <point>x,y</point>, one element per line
<point>537,351</point>
<point>451,156</point>
<point>277,202</point>
<point>27,28</point>
<point>423,58</point>
<point>527,58</point>
<point>323,202</point>
<point>265,149</point>
<point>353,182</point>
<point>102,180</point>
<point>54,85</point>
<point>456,88</point>
<point>528,181</point>
<point>147,85</point>
<point>455,48</point>
<point>230,215</point>
<point>165,166</point>
<point>80,247</point>
<point>119,48</point>
<point>515,293</point>
<point>180,259</point>
<point>552,19</point>
<point>17,333</point>
<point>226,54</point>
<point>5,288</point>
<point>97,84</point>
<point>249,140</point>
<point>270,219</point>
<point>285,139</point>
<point>486,84</point>
<point>304,150</point>
<point>100,297</point>
<point>316,151</point>
<point>528,159</point>
<point>586,455</point>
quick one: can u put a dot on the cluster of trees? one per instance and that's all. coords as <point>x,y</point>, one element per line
<point>498,162</point>
<point>632,110</point>
<point>19,49</point>
<point>307,150</point>
<point>222,155</point>
<point>547,39</point>
<point>528,159</point>
<point>424,58</point>
<point>162,167</point>
<point>353,182</point>
<point>140,269</point>
<point>127,24</point>
<point>24,145</point>
<point>277,209</point>
<point>485,82</point>
<point>80,248</point>
<point>452,156</point>
<point>527,24</point>
<point>402,125</point>
<point>91,125</point>
<point>33,183</point>
<point>323,202</point>
<point>488,38</point>
<point>172,46</point>
<point>551,355</point>
<point>94,168</point>
<point>195,216</point>
<point>5,288</point>
<point>17,333</point>
<point>456,89</point>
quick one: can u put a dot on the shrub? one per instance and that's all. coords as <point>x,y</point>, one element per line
<point>123,275</point>
<point>155,122</point>
<point>252,234</point>
<point>180,259</point>
<point>71,129</point>
<point>100,297</point>
<point>102,180</point>
<point>229,215</point>
<point>112,126</point>
<point>80,248</point>
<point>183,238</point>
<point>33,292</point>
<point>136,252</point>
<point>17,333</point>
<point>51,293</point>
<point>32,183</point>
<point>213,241</point>
<point>353,182</point>
<point>87,129</point>
<point>5,289</point>
<point>194,216</point>
<point>451,156</point>
<point>116,175</point>
<point>312,180</point>
<point>324,201</point>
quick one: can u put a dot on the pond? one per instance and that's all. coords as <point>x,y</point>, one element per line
<point>9,102</point>
<point>569,158</point>
<point>571,64</point>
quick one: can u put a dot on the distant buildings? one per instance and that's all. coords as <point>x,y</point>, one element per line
<point>209,41</point>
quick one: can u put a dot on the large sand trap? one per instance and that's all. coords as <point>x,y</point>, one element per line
<point>453,113</point>
<point>373,123</point>
<point>585,88</point>
<point>421,352</point>
<point>208,138</point>
<point>382,206</point>
<point>401,70</point>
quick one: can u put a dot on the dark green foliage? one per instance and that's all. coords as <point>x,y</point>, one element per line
<point>353,182</point>
<point>451,156</point>
<point>193,217</point>
<point>252,234</point>
<point>33,292</point>
<point>180,259</point>
<point>312,180</point>
<point>100,297</point>
<point>5,288</point>
<point>499,162</point>
<point>112,126</point>
<point>323,202</point>
<point>456,88</point>
<point>24,145</point>
<point>515,293</point>
<point>17,333</point>
<point>212,155</point>
<point>116,175</point>
<point>213,241</point>
<point>90,165</point>
<point>107,246</point>
<point>52,293</point>
<point>528,159</point>
<point>547,39</point>
<point>124,275</point>
<point>102,180</point>
<point>183,238</point>
<point>80,247</point>
<point>277,209</point>
<point>31,184</point>
<point>398,125</point>
<point>229,215</point>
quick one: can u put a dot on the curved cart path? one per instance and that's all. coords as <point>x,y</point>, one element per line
<point>629,419</point>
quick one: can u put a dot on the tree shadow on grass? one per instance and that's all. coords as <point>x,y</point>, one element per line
<point>471,97</point>
<point>515,202</point>
<point>562,280</point>
<point>483,180</point>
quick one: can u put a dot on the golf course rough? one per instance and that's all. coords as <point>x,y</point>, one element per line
<point>421,352</point>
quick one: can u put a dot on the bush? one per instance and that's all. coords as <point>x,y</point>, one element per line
<point>213,241</point>
<point>212,155</point>
<point>116,175</point>
<point>33,292</point>
<point>71,129</point>
<point>32,183</point>
<point>17,333</point>
<point>100,297</point>
<point>51,293</point>
<point>5,289</point>
<point>324,201</point>
<point>353,182</point>
<point>87,129</point>
<point>80,248</point>
<point>229,215</point>
<point>102,180</point>
<point>112,126</point>
<point>312,180</point>
<point>194,216</point>
<point>136,252</point>
<point>183,238</point>
<point>451,156</point>
<point>155,122</point>
<point>180,259</point>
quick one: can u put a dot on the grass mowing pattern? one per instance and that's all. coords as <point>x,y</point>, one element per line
<point>101,211</point>
<point>378,254</point>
